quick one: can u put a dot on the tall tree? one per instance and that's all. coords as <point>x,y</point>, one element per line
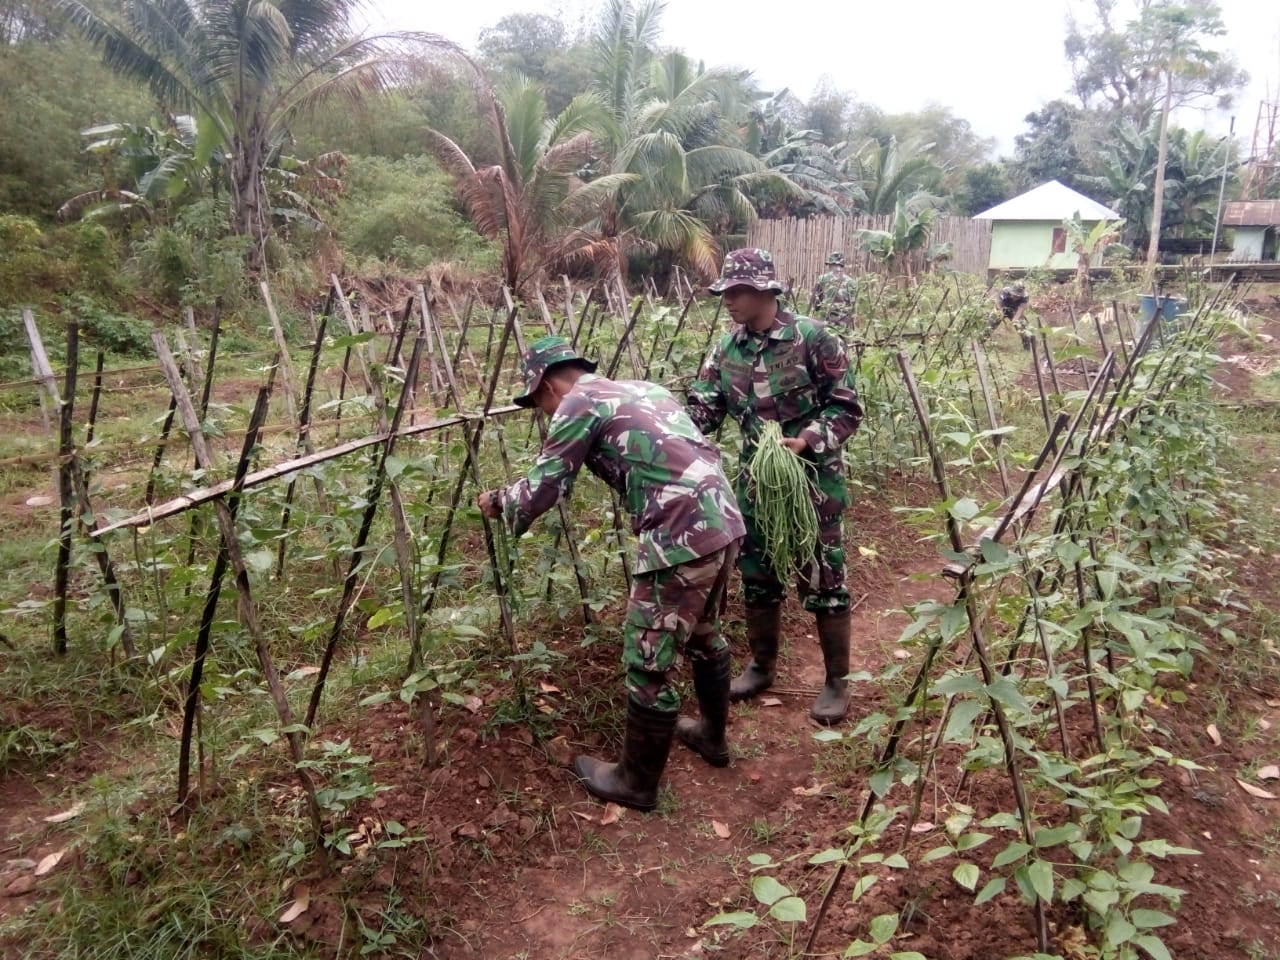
<point>1118,56</point>
<point>542,48</point>
<point>245,69</point>
<point>954,145</point>
<point>1174,34</point>
<point>1050,148</point>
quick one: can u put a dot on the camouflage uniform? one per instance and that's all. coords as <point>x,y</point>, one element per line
<point>796,373</point>
<point>638,439</point>
<point>835,295</point>
<point>1013,300</point>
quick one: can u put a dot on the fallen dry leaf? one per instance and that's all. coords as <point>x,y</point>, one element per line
<point>20,886</point>
<point>1253,791</point>
<point>924,826</point>
<point>612,814</point>
<point>1273,703</point>
<point>1269,772</point>
<point>472,703</point>
<point>302,901</point>
<point>770,702</point>
<point>812,791</point>
<point>721,829</point>
<point>901,654</point>
<point>585,816</point>
<point>754,778</point>
<point>867,552</point>
<point>49,862</point>
<point>1214,735</point>
<point>40,501</point>
<point>548,687</point>
<point>69,814</point>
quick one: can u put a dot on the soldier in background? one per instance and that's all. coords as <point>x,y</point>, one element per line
<point>1013,301</point>
<point>773,365</point>
<point>835,295</point>
<point>638,439</point>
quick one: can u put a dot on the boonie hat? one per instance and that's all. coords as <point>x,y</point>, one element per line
<point>835,259</point>
<point>747,267</point>
<point>543,354</point>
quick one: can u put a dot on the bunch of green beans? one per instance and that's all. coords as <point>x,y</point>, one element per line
<point>784,512</point>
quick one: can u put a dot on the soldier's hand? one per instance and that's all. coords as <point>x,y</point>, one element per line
<point>796,445</point>
<point>490,505</point>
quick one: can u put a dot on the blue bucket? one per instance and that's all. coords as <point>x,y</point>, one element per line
<point>1169,308</point>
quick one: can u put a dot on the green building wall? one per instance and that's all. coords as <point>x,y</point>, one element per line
<point>1027,244</point>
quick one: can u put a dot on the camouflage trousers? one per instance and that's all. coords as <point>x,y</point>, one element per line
<point>820,581</point>
<point>672,612</point>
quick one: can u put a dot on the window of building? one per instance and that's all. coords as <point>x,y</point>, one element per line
<point>1059,240</point>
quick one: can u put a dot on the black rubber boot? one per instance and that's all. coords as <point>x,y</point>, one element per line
<point>633,780</point>
<point>833,634</point>
<point>763,626</point>
<point>705,736</point>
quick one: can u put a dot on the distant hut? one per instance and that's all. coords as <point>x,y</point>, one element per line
<point>1254,223</point>
<point>1027,231</point>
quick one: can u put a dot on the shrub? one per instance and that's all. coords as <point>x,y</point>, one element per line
<point>404,211</point>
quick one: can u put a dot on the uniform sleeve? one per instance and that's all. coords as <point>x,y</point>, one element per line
<point>839,413</point>
<point>819,292</point>
<point>706,401</point>
<point>570,436</point>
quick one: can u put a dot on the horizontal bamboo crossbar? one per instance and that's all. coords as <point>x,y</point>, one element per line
<point>205,494</point>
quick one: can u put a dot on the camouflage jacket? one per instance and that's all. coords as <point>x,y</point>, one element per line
<point>796,372</point>
<point>637,438</point>
<point>835,294</point>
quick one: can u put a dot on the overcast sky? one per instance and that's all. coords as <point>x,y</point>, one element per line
<point>991,61</point>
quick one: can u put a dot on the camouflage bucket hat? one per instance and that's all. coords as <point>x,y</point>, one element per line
<point>835,259</point>
<point>748,267</point>
<point>543,354</point>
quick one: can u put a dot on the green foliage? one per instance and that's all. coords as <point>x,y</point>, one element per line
<point>403,212</point>
<point>107,330</point>
<point>196,261</point>
<point>40,263</point>
<point>52,91</point>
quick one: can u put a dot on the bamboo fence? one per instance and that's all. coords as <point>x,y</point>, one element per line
<point>800,245</point>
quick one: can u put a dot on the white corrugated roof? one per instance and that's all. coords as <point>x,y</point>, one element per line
<point>1049,201</point>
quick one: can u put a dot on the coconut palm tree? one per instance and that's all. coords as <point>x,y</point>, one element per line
<point>889,171</point>
<point>534,199</point>
<point>245,69</point>
<point>673,127</point>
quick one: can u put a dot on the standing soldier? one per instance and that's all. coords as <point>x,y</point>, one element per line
<point>776,366</point>
<point>638,439</point>
<point>835,295</point>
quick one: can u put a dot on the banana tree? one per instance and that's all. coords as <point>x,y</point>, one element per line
<point>908,233</point>
<point>1085,243</point>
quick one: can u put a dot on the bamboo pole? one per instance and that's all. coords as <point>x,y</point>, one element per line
<point>191,706</point>
<point>247,608</point>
